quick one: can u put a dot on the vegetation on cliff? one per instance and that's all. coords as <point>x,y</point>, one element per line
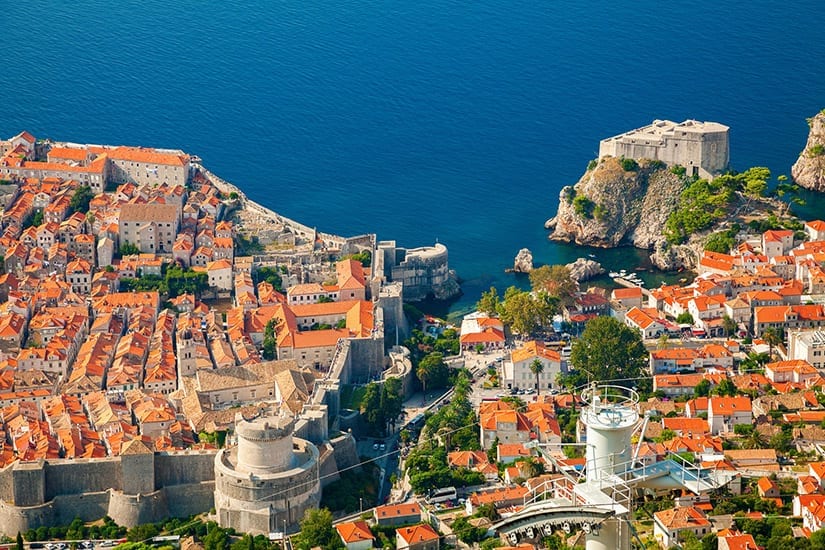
<point>617,201</point>
<point>703,204</point>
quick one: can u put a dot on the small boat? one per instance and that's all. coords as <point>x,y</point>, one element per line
<point>613,274</point>
<point>683,280</point>
<point>591,255</point>
<point>631,276</point>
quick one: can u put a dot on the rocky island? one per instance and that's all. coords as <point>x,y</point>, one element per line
<point>809,169</point>
<point>666,188</point>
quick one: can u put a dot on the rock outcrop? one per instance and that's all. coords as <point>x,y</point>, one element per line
<point>809,170</point>
<point>449,289</point>
<point>583,269</point>
<point>523,262</point>
<point>673,258</point>
<point>611,206</point>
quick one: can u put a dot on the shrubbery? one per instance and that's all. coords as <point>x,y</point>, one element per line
<point>629,165</point>
<point>722,241</point>
<point>583,206</point>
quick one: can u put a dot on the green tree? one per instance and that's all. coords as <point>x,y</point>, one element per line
<point>537,367</point>
<point>754,440</point>
<point>216,538</point>
<point>489,302</point>
<point>607,350</point>
<point>371,410</point>
<point>519,311</point>
<point>665,435</point>
<point>80,199</point>
<point>557,281</point>
<point>702,389</point>
<point>684,318</point>
<point>142,532</point>
<point>773,338</point>
<point>128,249</point>
<point>317,530</point>
<point>756,181</point>
<point>392,399</point>
<point>782,441</point>
<point>728,325</point>
<point>583,206</point>
<point>269,344</point>
<point>725,388</point>
<point>270,275</point>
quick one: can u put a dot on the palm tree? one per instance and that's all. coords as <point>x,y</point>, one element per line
<point>423,373</point>
<point>537,367</point>
<point>773,338</point>
<point>755,440</point>
<point>663,341</point>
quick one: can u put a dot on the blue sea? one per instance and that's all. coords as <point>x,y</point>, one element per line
<point>431,120</point>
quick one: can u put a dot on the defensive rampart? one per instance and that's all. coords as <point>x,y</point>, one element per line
<point>157,486</point>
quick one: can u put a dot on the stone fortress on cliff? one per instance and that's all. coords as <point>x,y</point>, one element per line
<point>701,147</point>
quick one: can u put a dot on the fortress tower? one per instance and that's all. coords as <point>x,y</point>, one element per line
<point>269,479</point>
<point>701,147</point>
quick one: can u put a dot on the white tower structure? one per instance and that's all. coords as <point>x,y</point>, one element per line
<point>599,502</point>
<point>611,415</point>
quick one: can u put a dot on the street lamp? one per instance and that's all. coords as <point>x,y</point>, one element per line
<point>361,504</point>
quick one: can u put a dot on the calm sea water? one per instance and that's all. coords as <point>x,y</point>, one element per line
<point>431,120</point>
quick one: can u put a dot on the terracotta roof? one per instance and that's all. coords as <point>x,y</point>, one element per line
<point>148,156</point>
<point>689,425</point>
<point>354,531</point>
<point>417,533</point>
<point>151,212</point>
<point>627,293</point>
<point>683,517</point>
<point>766,484</point>
<point>398,510</point>
<point>533,349</point>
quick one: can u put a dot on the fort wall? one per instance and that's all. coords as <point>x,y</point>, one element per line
<point>184,468</point>
<point>158,485</point>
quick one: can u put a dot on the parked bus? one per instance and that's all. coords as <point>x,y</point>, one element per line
<point>445,494</point>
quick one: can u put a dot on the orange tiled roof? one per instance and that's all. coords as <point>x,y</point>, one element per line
<point>354,531</point>
<point>417,534</point>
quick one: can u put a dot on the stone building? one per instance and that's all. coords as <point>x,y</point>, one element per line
<point>269,479</point>
<point>149,166</point>
<point>701,147</point>
<point>150,227</point>
<point>423,271</point>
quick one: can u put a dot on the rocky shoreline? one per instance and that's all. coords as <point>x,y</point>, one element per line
<point>627,202</point>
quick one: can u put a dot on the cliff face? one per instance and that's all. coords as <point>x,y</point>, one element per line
<point>611,206</point>
<point>809,170</point>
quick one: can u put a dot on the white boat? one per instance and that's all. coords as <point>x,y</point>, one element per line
<point>613,274</point>
<point>631,276</point>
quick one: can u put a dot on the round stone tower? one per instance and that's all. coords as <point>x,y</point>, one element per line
<point>269,479</point>
<point>265,444</point>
